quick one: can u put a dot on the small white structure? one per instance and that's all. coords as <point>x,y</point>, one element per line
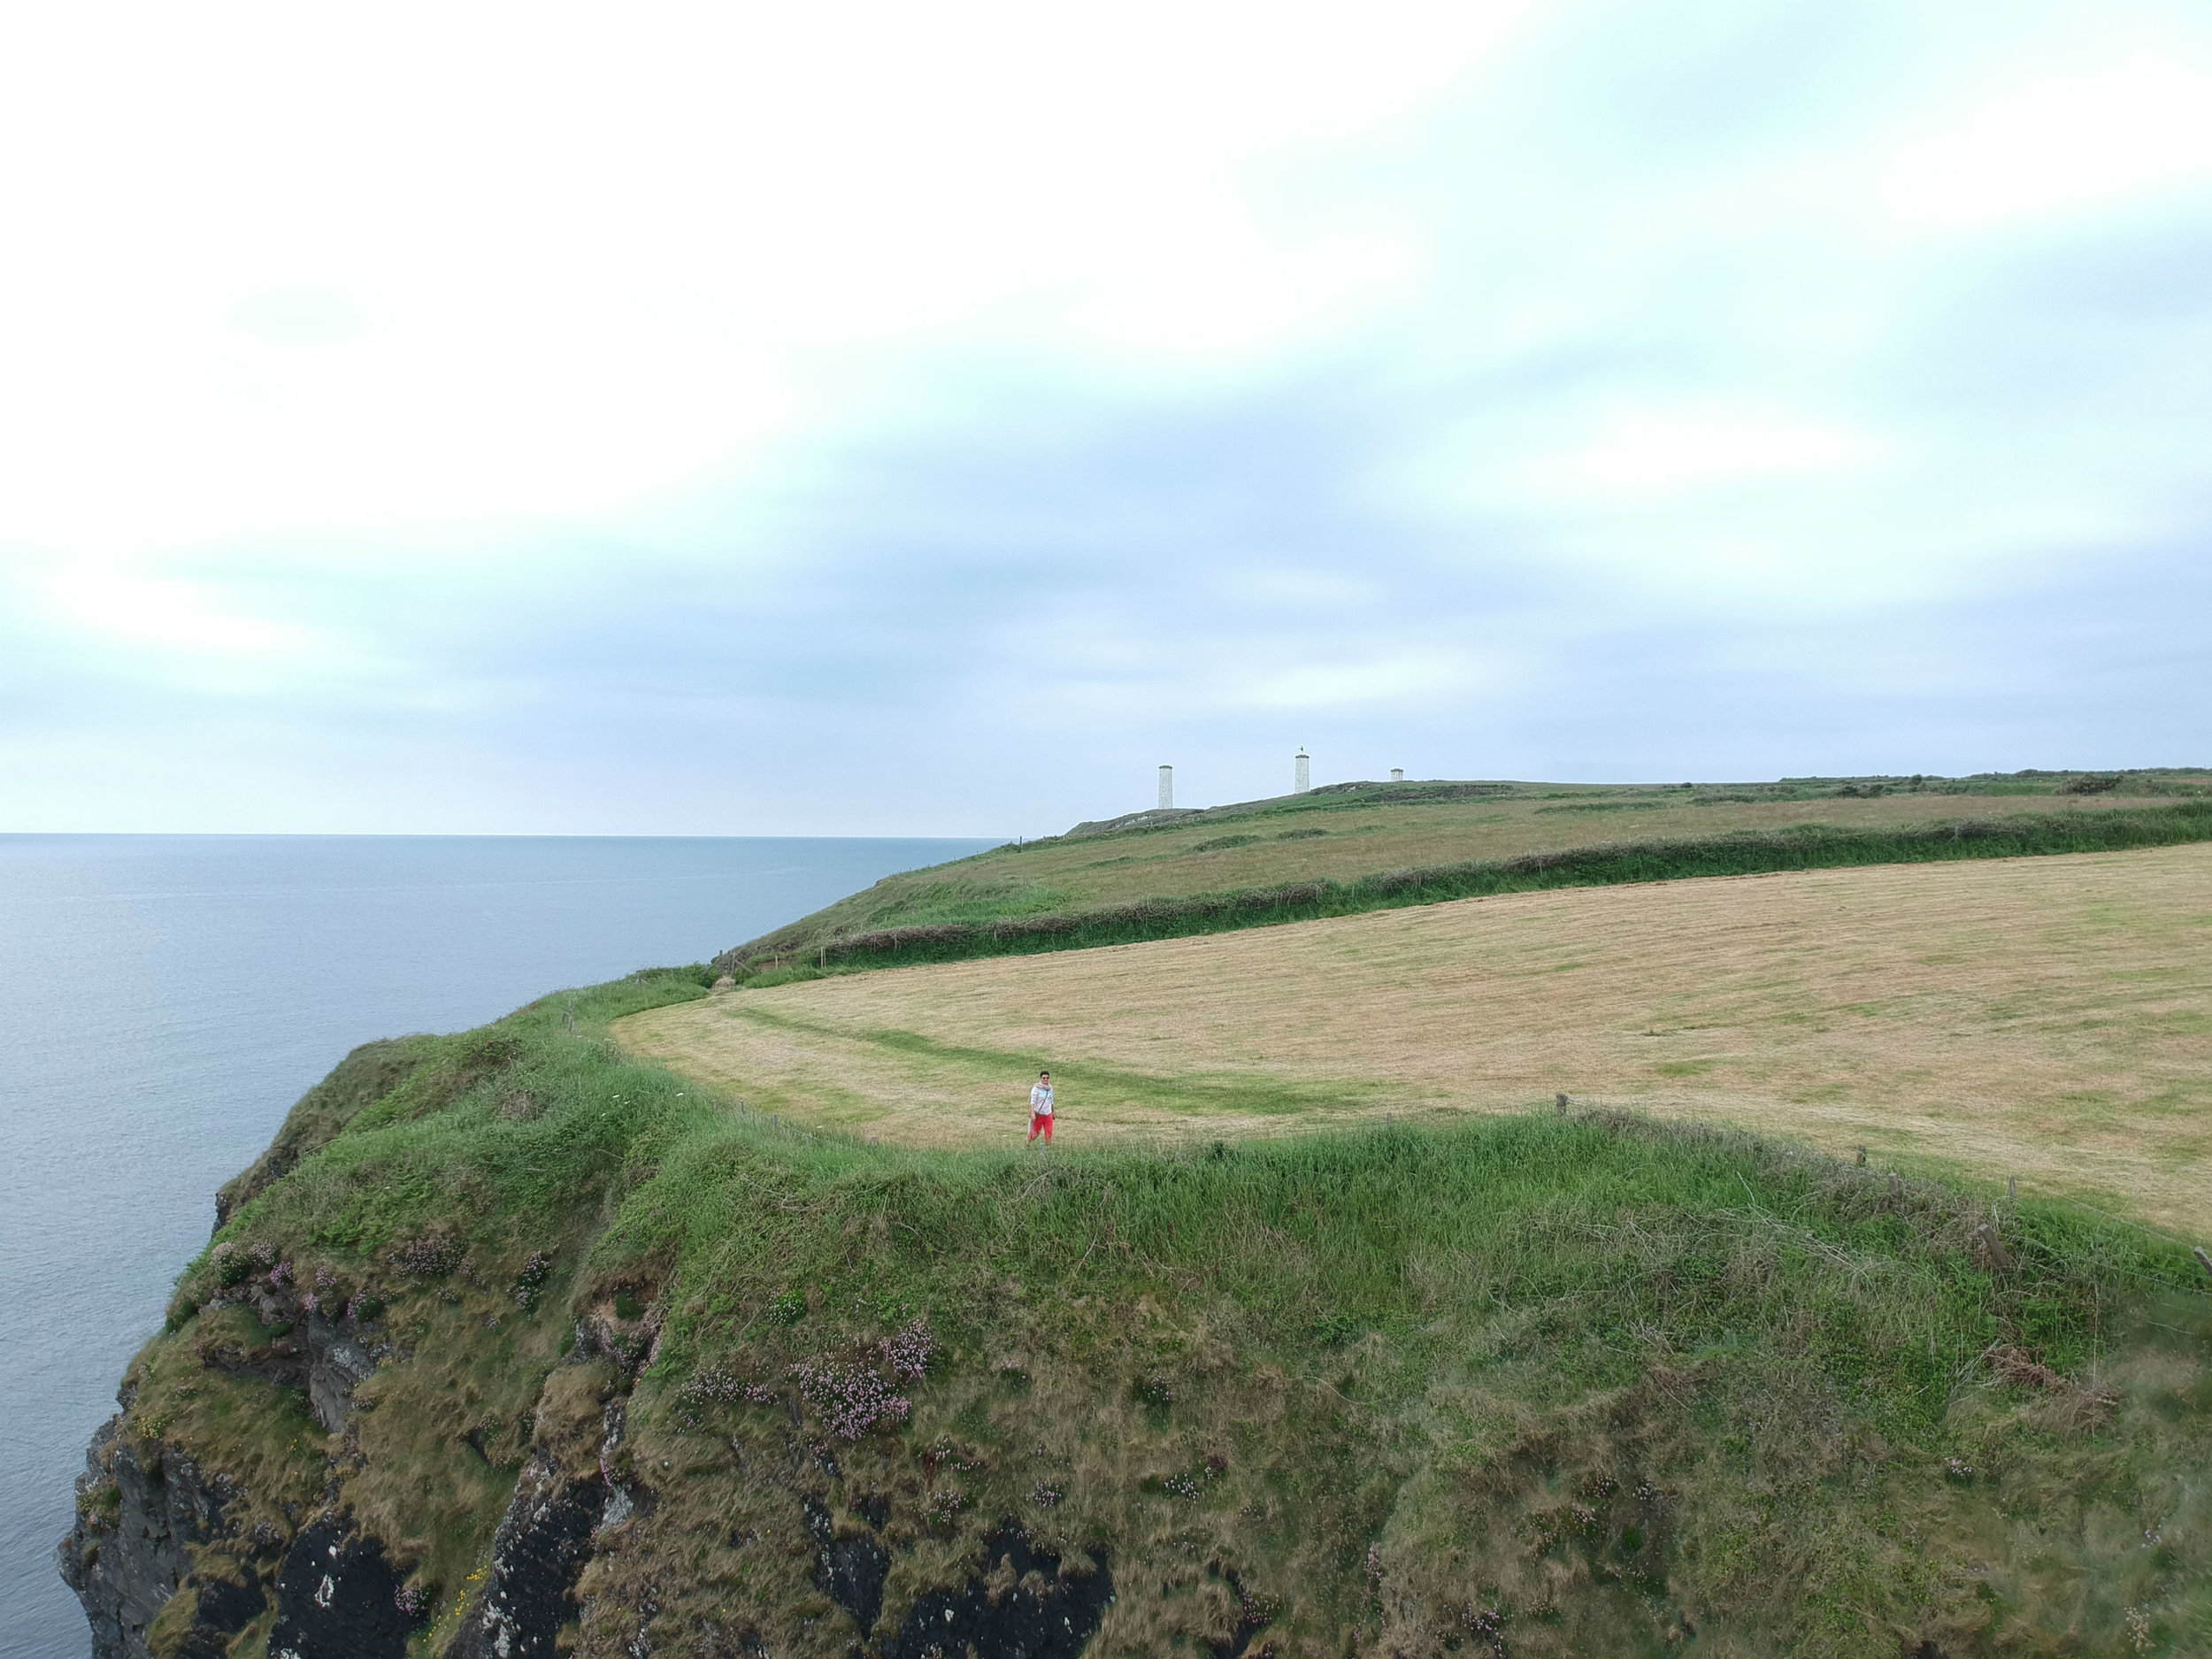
<point>1300,772</point>
<point>1167,786</point>
<point>1397,774</point>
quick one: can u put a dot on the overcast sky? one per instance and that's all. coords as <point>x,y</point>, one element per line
<point>927,419</point>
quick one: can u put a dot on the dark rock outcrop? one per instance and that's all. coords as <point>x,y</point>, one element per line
<point>127,1554</point>
<point>338,1362</point>
<point>1043,1616</point>
<point>222,1608</point>
<point>848,1568</point>
<point>327,1358</point>
<point>539,1552</point>
<point>338,1598</point>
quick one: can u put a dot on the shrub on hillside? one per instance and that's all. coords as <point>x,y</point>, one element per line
<point>233,1265</point>
<point>854,1397</point>
<point>428,1255</point>
<point>717,1384</point>
<point>531,1280</point>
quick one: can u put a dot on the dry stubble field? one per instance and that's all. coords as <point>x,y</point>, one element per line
<point>2049,1018</point>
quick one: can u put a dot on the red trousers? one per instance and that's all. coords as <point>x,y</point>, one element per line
<point>1041,1122</point>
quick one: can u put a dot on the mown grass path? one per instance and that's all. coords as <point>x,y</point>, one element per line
<point>2048,1019</point>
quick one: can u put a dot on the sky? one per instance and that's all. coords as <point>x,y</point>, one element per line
<point>884,419</point>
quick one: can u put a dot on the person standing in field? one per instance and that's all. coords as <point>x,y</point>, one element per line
<point>1040,1108</point>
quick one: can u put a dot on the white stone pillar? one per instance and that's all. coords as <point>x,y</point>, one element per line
<point>1167,786</point>
<point>1397,774</point>
<point>1301,772</point>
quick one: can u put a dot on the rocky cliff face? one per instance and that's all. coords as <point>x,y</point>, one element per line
<point>169,1565</point>
<point>538,1555</point>
<point>141,1513</point>
<point>165,1561</point>
<point>158,1556</point>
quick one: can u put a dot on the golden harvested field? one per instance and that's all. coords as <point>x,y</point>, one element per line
<point>2049,1018</point>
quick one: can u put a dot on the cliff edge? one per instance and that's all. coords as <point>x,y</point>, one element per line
<point>515,1345</point>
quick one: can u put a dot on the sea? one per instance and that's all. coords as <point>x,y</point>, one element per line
<point>165,999</point>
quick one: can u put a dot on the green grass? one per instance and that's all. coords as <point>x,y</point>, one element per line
<point>1586,1375</point>
<point>1608,1229</point>
<point>1805,847</point>
<point>976,1068</point>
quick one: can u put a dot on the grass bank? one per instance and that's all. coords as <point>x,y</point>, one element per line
<point>1538,1384</point>
<point>783,958</point>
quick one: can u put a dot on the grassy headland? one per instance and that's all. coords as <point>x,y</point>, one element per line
<point>1536,1384</point>
<point>1365,847</point>
<point>1530,1382</point>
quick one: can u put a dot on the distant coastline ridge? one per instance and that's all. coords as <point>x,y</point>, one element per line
<point>981,909</point>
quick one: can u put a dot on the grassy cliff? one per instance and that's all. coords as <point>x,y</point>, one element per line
<point>532,1347</point>
<point>516,1343</point>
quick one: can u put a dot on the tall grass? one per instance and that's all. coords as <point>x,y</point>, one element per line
<point>1613,1233</point>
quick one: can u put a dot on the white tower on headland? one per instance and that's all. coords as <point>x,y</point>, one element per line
<point>1397,774</point>
<point>1167,786</point>
<point>1300,772</point>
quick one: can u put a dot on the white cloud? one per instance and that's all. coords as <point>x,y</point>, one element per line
<point>1650,453</point>
<point>299,270</point>
<point>171,616</point>
<point>2072,135</point>
<point>344,350</point>
<point>1402,678</point>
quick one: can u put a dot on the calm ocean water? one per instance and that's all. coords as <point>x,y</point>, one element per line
<point>163,1000</point>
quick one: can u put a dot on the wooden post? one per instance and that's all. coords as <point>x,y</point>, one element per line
<point>1559,1104</point>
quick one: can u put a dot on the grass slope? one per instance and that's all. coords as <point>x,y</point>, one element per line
<point>1373,847</point>
<point>1543,1386</point>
